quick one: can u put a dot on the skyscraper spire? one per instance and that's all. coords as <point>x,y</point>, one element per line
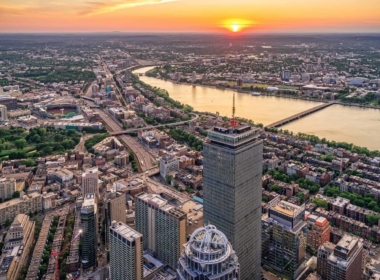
<point>233,122</point>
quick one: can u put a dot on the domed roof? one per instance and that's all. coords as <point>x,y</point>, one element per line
<point>208,239</point>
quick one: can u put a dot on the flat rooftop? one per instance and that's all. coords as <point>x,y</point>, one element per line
<point>286,208</point>
<point>126,231</point>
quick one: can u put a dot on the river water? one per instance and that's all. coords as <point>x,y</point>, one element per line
<point>340,123</point>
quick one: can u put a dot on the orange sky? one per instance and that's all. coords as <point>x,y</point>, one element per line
<point>189,15</point>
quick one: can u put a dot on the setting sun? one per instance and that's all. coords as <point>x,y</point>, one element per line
<point>237,25</point>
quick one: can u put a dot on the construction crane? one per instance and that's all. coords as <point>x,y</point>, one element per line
<point>56,255</point>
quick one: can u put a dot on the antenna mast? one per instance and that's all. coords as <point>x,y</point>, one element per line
<point>233,122</point>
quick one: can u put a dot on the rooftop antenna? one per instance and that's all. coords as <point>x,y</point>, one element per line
<point>233,122</point>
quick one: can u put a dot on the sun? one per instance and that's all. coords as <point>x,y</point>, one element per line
<point>235,27</point>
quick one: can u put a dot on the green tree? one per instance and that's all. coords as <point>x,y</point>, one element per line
<point>20,144</point>
<point>169,179</point>
<point>373,219</point>
<point>321,203</point>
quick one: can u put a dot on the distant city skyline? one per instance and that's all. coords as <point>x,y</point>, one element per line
<point>190,16</point>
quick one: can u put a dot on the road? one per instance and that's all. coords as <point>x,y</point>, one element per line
<point>126,131</point>
<point>146,160</point>
<point>109,121</point>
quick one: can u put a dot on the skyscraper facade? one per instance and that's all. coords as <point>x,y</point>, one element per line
<point>126,252</point>
<point>283,240</point>
<point>232,174</point>
<point>90,182</point>
<point>88,218</point>
<point>162,225</point>
<point>208,255</point>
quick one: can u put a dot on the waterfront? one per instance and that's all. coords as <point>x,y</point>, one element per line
<point>360,126</point>
<point>261,109</point>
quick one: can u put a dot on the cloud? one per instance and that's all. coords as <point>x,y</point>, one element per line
<point>96,8</point>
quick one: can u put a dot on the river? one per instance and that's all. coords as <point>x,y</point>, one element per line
<point>340,123</point>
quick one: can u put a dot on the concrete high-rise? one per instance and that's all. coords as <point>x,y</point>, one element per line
<point>344,262</point>
<point>208,255</point>
<point>162,225</point>
<point>232,171</point>
<point>90,182</point>
<point>3,113</point>
<point>115,209</point>
<point>88,219</point>
<point>283,240</point>
<point>126,252</point>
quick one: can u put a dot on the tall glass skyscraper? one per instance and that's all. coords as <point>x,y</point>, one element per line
<point>232,174</point>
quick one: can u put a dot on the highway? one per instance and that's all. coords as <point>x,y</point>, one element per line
<point>146,160</point>
<point>126,131</point>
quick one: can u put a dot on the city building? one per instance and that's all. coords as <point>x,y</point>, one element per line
<point>345,262</point>
<point>162,225</point>
<point>26,203</point>
<point>8,101</point>
<point>168,163</point>
<point>232,171</point>
<point>208,255</point>
<point>3,113</point>
<point>7,187</point>
<point>16,248</point>
<point>286,75</point>
<point>283,240</point>
<point>324,252</point>
<point>88,218</point>
<point>115,208</point>
<point>90,182</point>
<point>126,252</point>
<point>319,233</point>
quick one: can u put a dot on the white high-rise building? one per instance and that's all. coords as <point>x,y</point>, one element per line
<point>126,252</point>
<point>90,182</point>
<point>193,77</point>
<point>3,113</point>
<point>208,255</point>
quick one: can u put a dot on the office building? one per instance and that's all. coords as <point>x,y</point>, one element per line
<point>193,77</point>
<point>162,225</point>
<point>239,82</point>
<point>115,208</point>
<point>8,101</point>
<point>126,252</point>
<point>16,247</point>
<point>319,233</point>
<point>88,218</point>
<point>345,262</point>
<point>7,187</point>
<point>232,170</point>
<point>3,113</point>
<point>286,75</point>
<point>208,255</point>
<point>324,251</point>
<point>90,182</point>
<point>283,240</point>
<point>168,163</point>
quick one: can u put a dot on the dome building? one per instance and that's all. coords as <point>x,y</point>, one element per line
<point>208,256</point>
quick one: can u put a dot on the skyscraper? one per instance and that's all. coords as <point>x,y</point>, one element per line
<point>162,225</point>
<point>208,255</point>
<point>126,252</point>
<point>283,240</point>
<point>90,182</point>
<point>88,219</point>
<point>114,209</point>
<point>232,171</point>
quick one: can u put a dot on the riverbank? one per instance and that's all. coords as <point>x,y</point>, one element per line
<point>266,93</point>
